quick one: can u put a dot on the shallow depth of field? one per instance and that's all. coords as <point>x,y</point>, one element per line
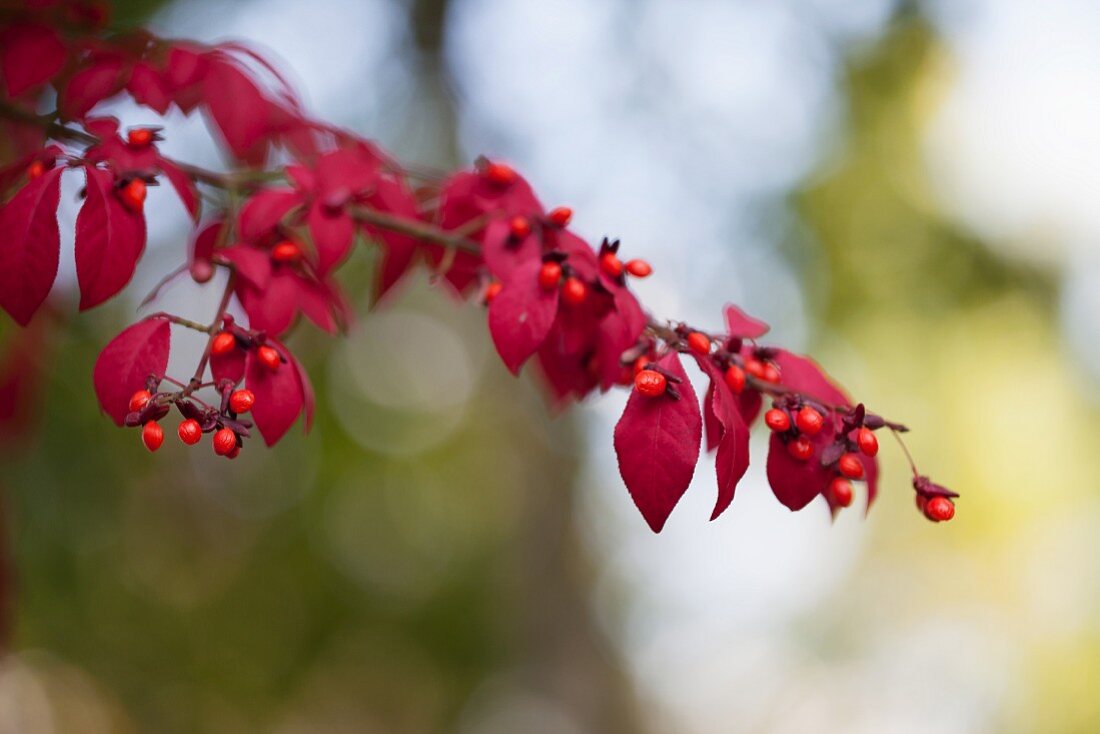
<point>908,190</point>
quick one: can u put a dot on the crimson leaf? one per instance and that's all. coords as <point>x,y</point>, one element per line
<point>109,241</point>
<point>29,246</point>
<point>124,365</point>
<point>521,315</point>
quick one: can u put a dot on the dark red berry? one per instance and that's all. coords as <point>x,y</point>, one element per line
<point>133,195</point>
<point>850,466</point>
<point>549,275</point>
<point>755,368</point>
<point>840,490</point>
<point>735,378</point>
<point>809,421</point>
<point>139,400</point>
<point>639,268</point>
<point>574,291</point>
<point>190,432</point>
<point>224,441</point>
<point>140,137</point>
<point>286,252</point>
<point>777,420</point>
<point>699,342</point>
<point>939,509</point>
<point>241,401</point>
<point>500,174</point>
<point>650,383</point>
<point>269,357</point>
<point>770,373</point>
<point>492,291</point>
<point>611,265</point>
<point>801,448</point>
<point>234,453</point>
<point>867,441</point>
<point>560,216</point>
<point>520,227</point>
<point>152,435</point>
<point>36,169</point>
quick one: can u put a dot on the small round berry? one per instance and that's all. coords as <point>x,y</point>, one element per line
<point>777,420</point>
<point>639,268</point>
<point>223,344</point>
<point>36,169</point>
<point>640,364</point>
<point>840,490</point>
<point>735,378</point>
<point>520,227</point>
<point>850,466</point>
<point>939,509</point>
<point>549,275</point>
<point>190,432</point>
<point>500,174</point>
<point>650,383</point>
<point>560,216</point>
<point>152,435</point>
<point>754,367</point>
<point>801,448</point>
<point>241,401</point>
<point>770,373</point>
<point>133,194</point>
<point>224,441</point>
<point>611,265</point>
<point>867,441</point>
<point>140,137</point>
<point>699,342</point>
<point>574,291</point>
<point>201,271</point>
<point>234,453</point>
<point>269,357</point>
<point>286,252</point>
<point>139,400</point>
<point>809,421</point>
<point>492,291</point>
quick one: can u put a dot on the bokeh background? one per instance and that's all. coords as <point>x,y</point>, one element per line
<point>907,189</point>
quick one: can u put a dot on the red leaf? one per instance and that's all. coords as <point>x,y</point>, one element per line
<point>657,444</point>
<point>90,86</point>
<point>184,186</point>
<point>238,108</point>
<point>30,243</point>
<point>263,212</point>
<point>280,394</point>
<point>228,366</point>
<point>109,241</point>
<point>274,308</point>
<point>149,87</point>
<point>393,197</point>
<point>124,365</point>
<point>805,376</point>
<point>732,459</point>
<point>332,232</point>
<point>253,264</point>
<point>30,55</point>
<point>521,315</point>
<point>794,482</point>
<point>740,324</point>
<point>503,254</point>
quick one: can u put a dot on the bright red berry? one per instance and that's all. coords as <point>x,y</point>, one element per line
<point>735,378</point>
<point>801,448</point>
<point>699,342</point>
<point>190,432</point>
<point>36,169</point>
<point>152,435</point>
<point>269,357</point>
<point>492,291</point>
<point>140,137</point>
<point>754,367</point>
<point>241,401</point>
<point>850,466</point>
<point>611,265</point>
<point>224,441</point>
<point>139,400</point>
<point>549,275</point>
<point>286,252</point>
<point>520,227</point>
<point>560,216</point>
<point>650,383</point>
<point>133,195</point>
<point>770,373</point>
<point>867,441</point>
<point>777,420</point>
<point>500,174</point>
<point>809,421</point>
<point>840,490</point>
<point>574,291</point>
<point>223,344</point>
<point>639,268</point>
<point>939,509</point>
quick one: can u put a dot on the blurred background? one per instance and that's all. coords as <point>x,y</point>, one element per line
<point>908,190</point>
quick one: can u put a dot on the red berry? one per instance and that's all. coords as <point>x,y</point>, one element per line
<point>801,448</point>
<point>140,137</point>
<point>549,275</point>
<point>699,342</point>
<point>286,252</point>
<point>560,216</point>
<point>234,453</point>
<point>241,401</point>
<point>867,441</point>
<point>492,291</point>
<point>840,490</point>
<point>500,174</point>
<point>650,383</point>
<point>640,364</point>
<point>777,420</point>
<point>223,344</point>
<point>735,378</point>
<point>269,357</point>
<point>190,432</point>
<point>939,509</point>
<point>639,268</point>
<point>36,169</point>
<point>611,265</point>
<point>809,421</point>
<point>152,435</point>
<point>133,195</point>
<point>850,466</point>
<point>574,291</point>
<point>520,227</point>
<point>755,368</point>
<point>224,441</point>
<point>770,373</point>
<point>139,400</point>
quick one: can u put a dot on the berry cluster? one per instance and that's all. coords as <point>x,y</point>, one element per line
<point>281,234</point>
